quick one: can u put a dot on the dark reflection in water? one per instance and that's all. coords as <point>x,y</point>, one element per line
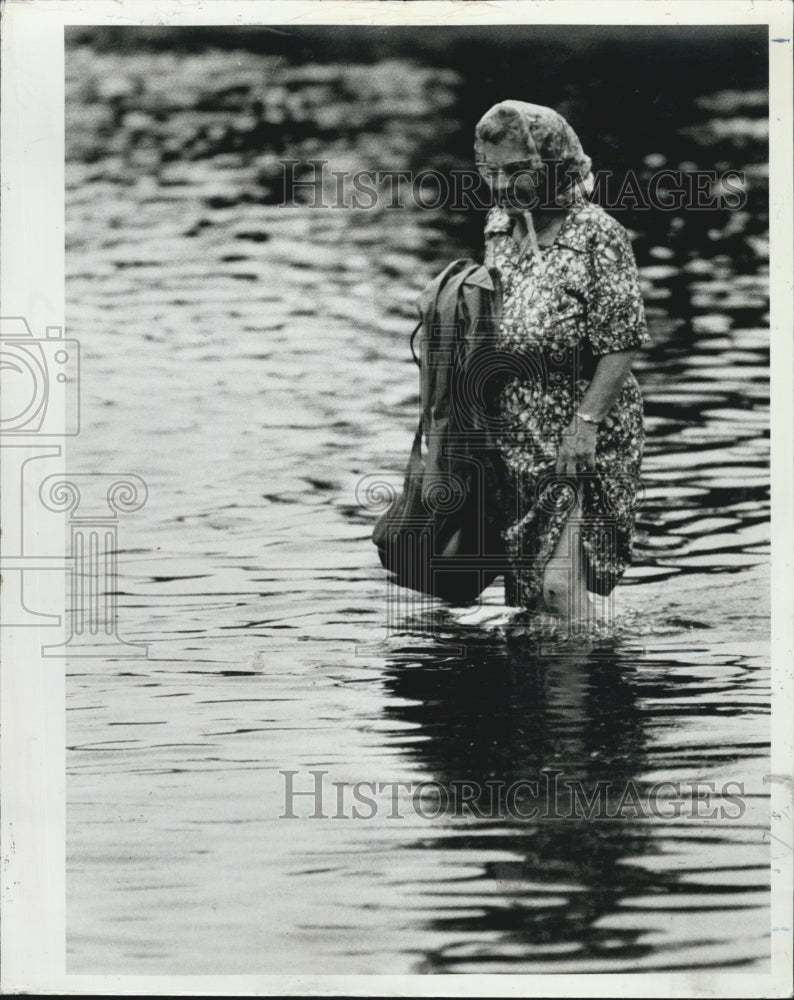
<point>571,888</point>
<point>501,718</point>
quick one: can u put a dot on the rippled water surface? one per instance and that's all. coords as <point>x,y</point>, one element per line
<point>250,362</point>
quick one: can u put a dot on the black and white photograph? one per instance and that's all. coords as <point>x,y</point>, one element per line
<point>396,455</point>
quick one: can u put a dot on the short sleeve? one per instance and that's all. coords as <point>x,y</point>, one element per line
<point>616,314</point>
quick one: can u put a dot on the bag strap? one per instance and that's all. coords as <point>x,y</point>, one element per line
<point>417,328</point>
<point>429,297</point>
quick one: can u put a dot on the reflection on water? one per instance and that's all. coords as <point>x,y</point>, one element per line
<point>573,894</point>
<point>259,354</point>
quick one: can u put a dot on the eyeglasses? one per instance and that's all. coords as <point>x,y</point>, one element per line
<point>490,172</point>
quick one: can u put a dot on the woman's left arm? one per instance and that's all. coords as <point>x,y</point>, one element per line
<point>607,381</point>
<point>577,449</point>
<point>615,329</point>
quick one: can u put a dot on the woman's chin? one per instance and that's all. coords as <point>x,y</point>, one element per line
<point>517,208</point>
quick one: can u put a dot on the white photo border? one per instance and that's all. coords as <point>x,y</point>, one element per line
<point>32,760</point>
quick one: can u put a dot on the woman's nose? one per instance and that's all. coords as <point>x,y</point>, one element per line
<point>500,184</point>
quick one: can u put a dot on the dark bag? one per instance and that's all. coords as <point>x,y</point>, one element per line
<point>438,536</point>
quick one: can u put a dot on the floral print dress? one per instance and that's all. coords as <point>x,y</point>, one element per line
<point>563,308</point>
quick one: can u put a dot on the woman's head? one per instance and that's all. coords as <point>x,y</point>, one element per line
<point>537,146</point>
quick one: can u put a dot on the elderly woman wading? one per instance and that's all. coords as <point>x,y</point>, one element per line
<point>568,405</point>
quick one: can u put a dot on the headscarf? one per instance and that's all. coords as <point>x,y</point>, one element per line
<point>550,141</point>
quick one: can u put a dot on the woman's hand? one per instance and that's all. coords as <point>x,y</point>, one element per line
<point>577,449</point>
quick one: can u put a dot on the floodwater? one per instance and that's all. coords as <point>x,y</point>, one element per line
<point>251,363</point>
